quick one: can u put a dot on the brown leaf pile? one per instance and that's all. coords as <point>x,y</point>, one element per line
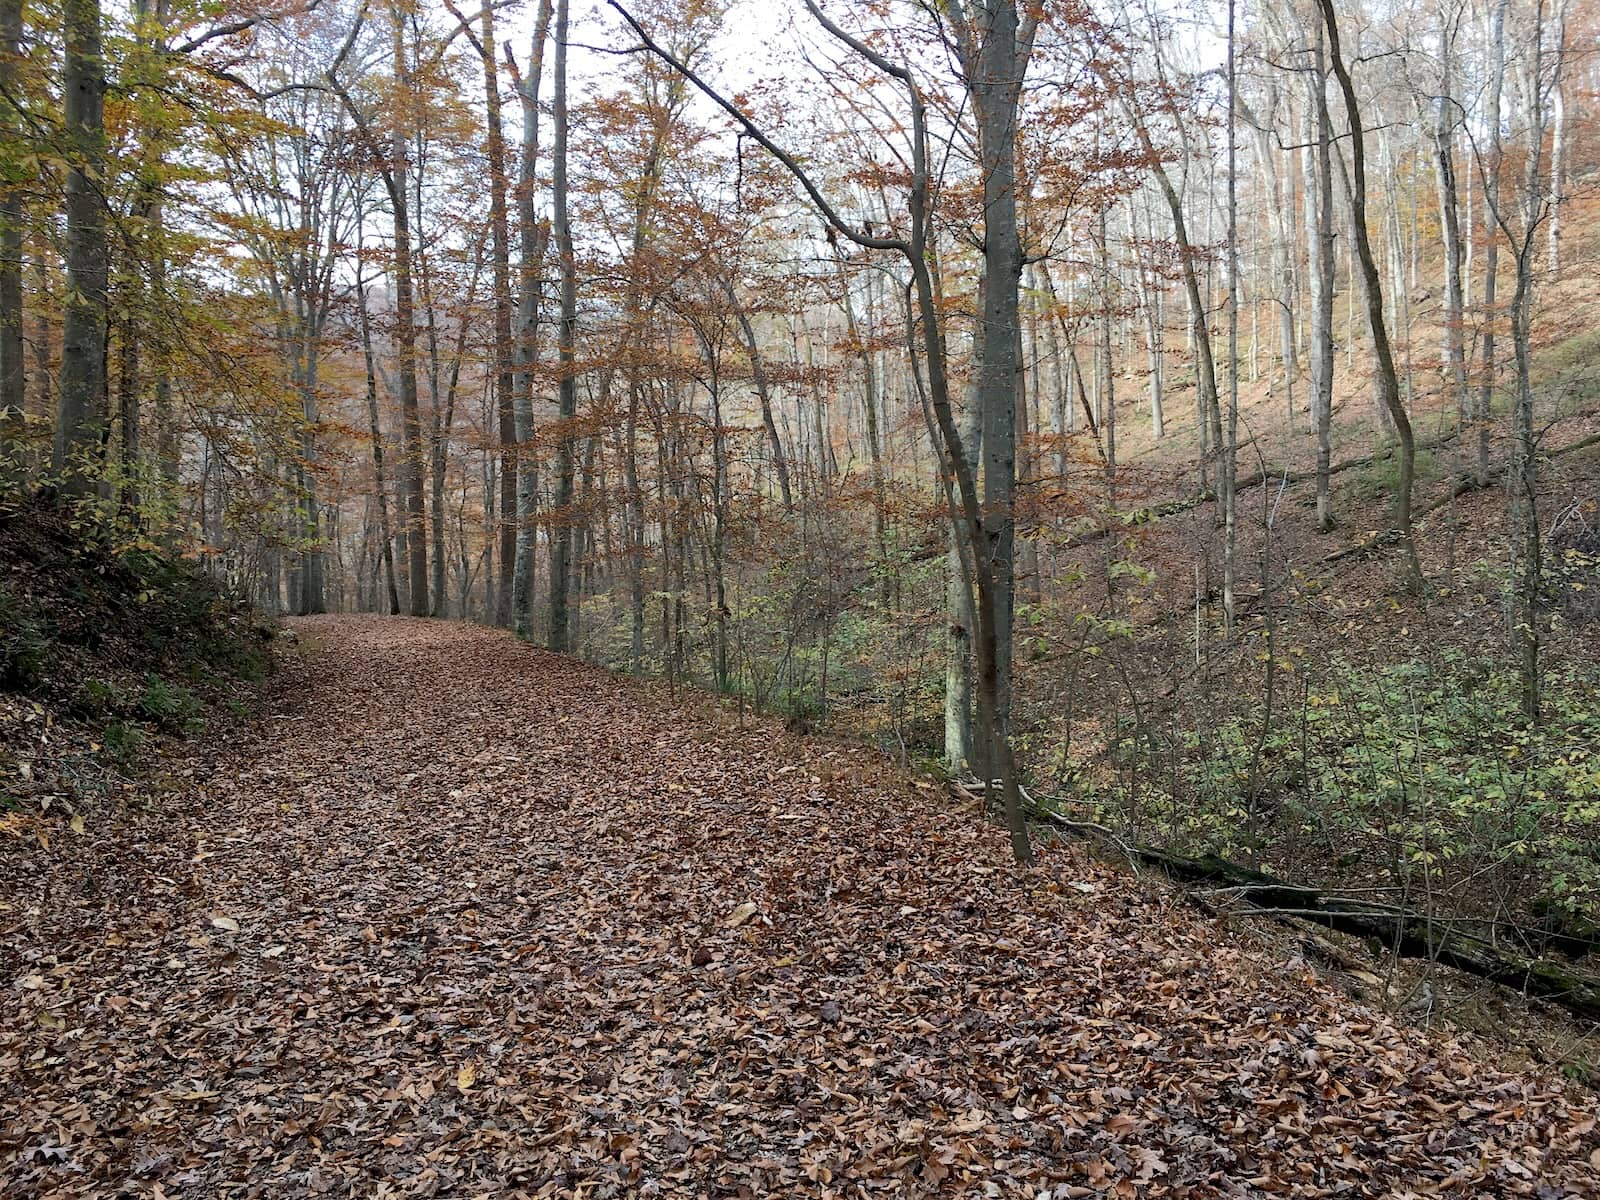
<point>465,919</point>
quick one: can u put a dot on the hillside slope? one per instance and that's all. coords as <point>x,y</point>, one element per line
<point>105,646</point>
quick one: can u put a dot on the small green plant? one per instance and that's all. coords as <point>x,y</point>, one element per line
<point>122,742</point>
<point>801,707</point>
<point>24,644</point>
<point>100,697</point>
<point>167,705</point>
<point>1379,480</point>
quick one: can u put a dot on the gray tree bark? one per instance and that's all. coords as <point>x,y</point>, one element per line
<point>1385,377</point>
<point>533,242</point>
<point>13,376</point>
<point>1491,251</point>
<point>81,416</point>
<point>1320,237</point>
<point>560,638</point>
<point>397,177</point>
<point>1444,135</point>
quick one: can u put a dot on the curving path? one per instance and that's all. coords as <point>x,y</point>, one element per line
<point>460,918</point>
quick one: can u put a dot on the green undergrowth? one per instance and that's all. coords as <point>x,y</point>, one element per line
<point>1564,372</point>
<point>1420,779</point>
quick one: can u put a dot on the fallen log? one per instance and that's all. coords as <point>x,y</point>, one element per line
<point>1408,934</point>
<point>1400,931</point>
<point>1463,485</point>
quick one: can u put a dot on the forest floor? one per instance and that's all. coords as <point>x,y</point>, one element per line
<point>458,917</point>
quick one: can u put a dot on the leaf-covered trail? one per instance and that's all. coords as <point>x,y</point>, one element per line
<point>461,918</point>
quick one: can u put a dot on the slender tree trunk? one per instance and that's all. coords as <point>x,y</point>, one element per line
<point>561,541</point>
<point>12,373</point>
<point>1386,378</point>
<point>1444,131</point>
<point>1205,361</point>
<point>505,412</point>
<point>1558,140</point>
<point>1105,368</point>
<point>1322,274</point>
<point>1524,483</point>
<point>869,408</point>
<point>150,29</point>
<point>1228,466</point>
<point>758,376</point>
<point>533,242</point>
<point>1525,496</point>
<point>380,483</point>
<point>128,385</point>
<point>309,564</point>
<point>636,533</point>
<point>1150,306</point>
<point>168,449</point>
<point>958,744</point>
<point>397,178</point>
<point>1491,250</point>
<point>80,420</point>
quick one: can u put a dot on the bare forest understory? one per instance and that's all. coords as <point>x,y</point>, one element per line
<point>460,917</point>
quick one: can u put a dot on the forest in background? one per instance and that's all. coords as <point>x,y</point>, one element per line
<point>1180,417</point>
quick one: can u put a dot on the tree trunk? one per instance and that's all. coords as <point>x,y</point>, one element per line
<point>1527,552</point>
<point>1444,133</point>
<point>380,484</point>
<point>561,540</point>
<point>1386,379</point>
<point>505,411</point>
<point>1491,250</point>
<point>1322,265</point>
<point>533,242</point>
<point>80,420</point>
<point>397,178</point>
<point>995,61</point>
<point>758,376</point>
<point>1205,362</point>
<point>12,374</point>
<point>1558,139</point>
<point>869,409</point>
<point>1229,462</point>
<point>958,743</point>
<point>1150,306</point>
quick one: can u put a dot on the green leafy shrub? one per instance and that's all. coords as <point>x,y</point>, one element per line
<point>1379,480</point>
<point>100,698</point>
<point>1425,772</point>
<point>25,646</point>
<point>122,742</point>
<point>170,706</point>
